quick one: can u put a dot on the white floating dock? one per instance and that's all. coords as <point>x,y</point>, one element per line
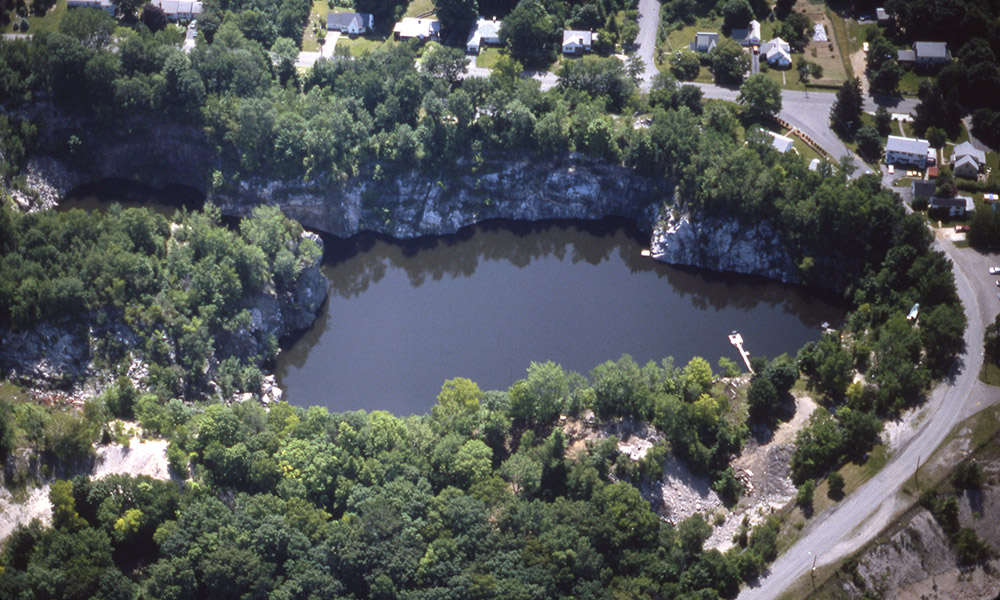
<point>737,340</point>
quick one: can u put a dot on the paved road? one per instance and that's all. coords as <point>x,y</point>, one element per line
<point>849,525</point>
<point>810,113</point>
<point>649,24</point>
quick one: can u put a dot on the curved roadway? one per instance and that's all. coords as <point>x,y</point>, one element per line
<point>849,525</point>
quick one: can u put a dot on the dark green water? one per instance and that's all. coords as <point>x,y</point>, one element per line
<point>404,316</point>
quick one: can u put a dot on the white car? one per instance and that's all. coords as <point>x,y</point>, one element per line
<point>892,169</point>
<point>994,270</point>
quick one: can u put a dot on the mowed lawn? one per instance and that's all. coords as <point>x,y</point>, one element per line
<point>47,23</point>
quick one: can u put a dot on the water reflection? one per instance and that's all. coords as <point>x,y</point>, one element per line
<point>354,264</point>
<point>403,316</point>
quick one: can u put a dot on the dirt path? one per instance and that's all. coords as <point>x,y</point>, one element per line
<point>858,63</point>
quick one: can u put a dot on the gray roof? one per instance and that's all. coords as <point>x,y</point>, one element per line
<point>908,145</point>
<point>347,20</point>
<point>931,50</point>
<point>881,15</point>
<point>966,160</point>
<point>579,36</point>
<point>923,189</point>
<point>906,55</point>
<point>967,149</point>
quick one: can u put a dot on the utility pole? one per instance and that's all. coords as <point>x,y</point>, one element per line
<point>812,573</point>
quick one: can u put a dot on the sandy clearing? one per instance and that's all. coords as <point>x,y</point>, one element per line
<point>140,457</point>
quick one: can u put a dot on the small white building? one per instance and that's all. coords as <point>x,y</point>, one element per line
<point>781,143</point>
<point>907,151</point>
<point>421,29</point>
<point>777,52</point>
<point>968,161</point>
<point>486,32</point>
<point>705,41</point>
<point>179,10</point>
<point>576,41</point>
<point>104,5</point>
<point>350,23</point>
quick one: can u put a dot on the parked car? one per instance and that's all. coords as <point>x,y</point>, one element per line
<point>892,169</point>
<point>961,228</point>
<point>994,270</point>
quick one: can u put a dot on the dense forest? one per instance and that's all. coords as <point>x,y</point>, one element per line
<point>481,498</point>
<point>182,289</point>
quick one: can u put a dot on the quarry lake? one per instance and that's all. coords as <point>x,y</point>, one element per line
<point>404,316</point>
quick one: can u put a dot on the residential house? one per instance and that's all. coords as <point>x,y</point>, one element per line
<point>179,10</point>
<point>926,54</point>
<point>958,207</point>
<point>484,32</point>
<point>104,5</point>
<point>417,29</point>
<point>907,151</point>
<point>781,143</point>
<point>883,18</point>
<point>777,52</point>
<point>577,41</point>
<point>968,161</point>
<point>705,41</point>
<point>923,189</point>
<point>351,23</point>
<point>748,37</point>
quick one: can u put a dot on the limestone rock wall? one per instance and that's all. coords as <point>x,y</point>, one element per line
<point>724,245</point>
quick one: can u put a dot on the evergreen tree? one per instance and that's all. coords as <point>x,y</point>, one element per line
<point>845,115</point>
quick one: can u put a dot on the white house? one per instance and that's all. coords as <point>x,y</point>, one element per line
<point>179,10</point>
<point>777,52</point>
<point>104,5</point>
<point>350,23</point>
<point>576,41</point>
<point>410,28</point>
<point>908,151</point>
<point>781,143</point>
<point>754,38</point>
<point>967,161</point>
<point>705,41</point>
<point>486,32</point>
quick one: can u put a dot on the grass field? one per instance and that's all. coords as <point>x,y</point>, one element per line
<point>990,374</point>
<point>488,58</point>
<point>909,84</point>
<point>317,22</point>
<point>48,23</point>
<point>419,7</point>
<point>359,46</point>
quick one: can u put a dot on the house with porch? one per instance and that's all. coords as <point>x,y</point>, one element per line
<point>967,161</point>
<point>351,23</point>
<point>411,28</point>
<point>576,41</point>
<point>486,32</point>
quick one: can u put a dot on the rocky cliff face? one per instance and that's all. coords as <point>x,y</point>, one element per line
<point>60,360</point>
<point>724,245</point>
<point>413,203</point>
